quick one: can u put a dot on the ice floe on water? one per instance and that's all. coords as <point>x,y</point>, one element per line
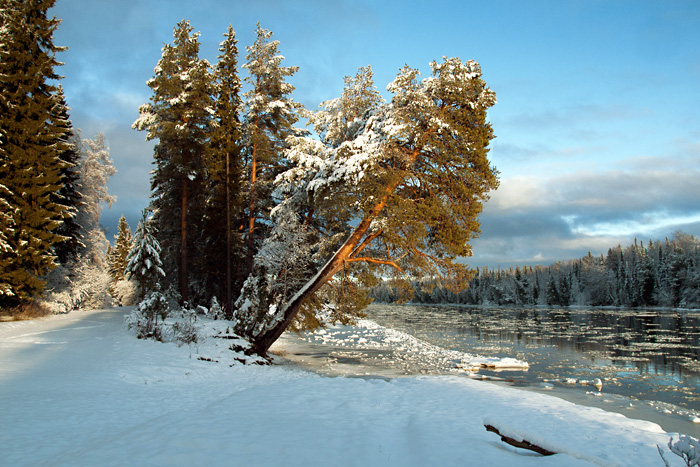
<point>389,352</point>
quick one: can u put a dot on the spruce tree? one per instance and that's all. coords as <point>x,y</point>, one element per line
<point>221,231</point>
<point>6,251</point>
<point>270,116</point>
<point>552,292</point>
<point>69,194</point>
<point>117,256</point>
<point>179,116</point>
<point>143,262</point>
<point>33,135</point>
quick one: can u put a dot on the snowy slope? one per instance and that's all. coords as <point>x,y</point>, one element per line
<point>80,389</point>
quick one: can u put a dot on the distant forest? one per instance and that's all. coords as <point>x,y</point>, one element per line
<point>662,273</point>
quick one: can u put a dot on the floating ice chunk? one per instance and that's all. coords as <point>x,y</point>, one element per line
<point>493,364</point>
<point>598,384</point>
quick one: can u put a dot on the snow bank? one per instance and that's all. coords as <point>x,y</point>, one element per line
<point>81,390</point>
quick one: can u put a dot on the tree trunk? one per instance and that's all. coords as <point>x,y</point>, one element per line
<point>229,305</point>
<point>263,342</point>
<point>184,286</point>
<point>251,213</point>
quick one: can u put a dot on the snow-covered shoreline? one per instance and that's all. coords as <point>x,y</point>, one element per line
<point>80,389</point>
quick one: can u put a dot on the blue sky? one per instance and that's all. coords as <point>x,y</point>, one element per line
<point>597,120</point>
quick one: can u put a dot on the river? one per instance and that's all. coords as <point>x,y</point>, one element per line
<point>642,363</point>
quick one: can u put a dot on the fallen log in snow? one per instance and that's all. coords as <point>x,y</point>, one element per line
<point>524,444</point>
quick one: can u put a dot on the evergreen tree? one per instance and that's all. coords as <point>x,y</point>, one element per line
<point>270,116</point>
<point>645,281</point>
<point>69,194</point>
<point>117,256</point>
<point>6,252</point>
<point>179,116</point>
<point>223,223</point>
<point>143,262</point>
<point>83,281</point>
<point>521,287</point>
<point>564,289</point>
<point>33,133</point>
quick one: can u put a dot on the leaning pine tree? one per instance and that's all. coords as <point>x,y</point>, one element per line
<point>390,189</point>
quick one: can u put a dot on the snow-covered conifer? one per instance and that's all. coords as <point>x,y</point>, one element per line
<point>225,199</point>
<point>69,194</point>
<point>269,120</point>
<point>6,252</point>
<point>180,116</point>
<point>143,263</point>
<point>88,281</point>
<point>144,319</point>
<point>117,256</point>
<point>32,139</point>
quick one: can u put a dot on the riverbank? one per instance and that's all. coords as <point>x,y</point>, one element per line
<point>334,354</point>
<point>80,389</point>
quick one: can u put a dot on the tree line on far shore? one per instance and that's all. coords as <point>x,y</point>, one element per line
<point>662,273</point>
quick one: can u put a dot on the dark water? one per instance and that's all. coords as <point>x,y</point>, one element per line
<point>650,356</point>
<point>643,363</point>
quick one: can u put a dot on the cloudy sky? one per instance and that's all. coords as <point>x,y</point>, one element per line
<point>597,121</point>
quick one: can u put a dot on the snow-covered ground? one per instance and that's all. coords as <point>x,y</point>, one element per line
<point>80,389</point>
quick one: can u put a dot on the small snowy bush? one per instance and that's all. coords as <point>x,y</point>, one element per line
<point>81,285</point>
<point>687,448</point>
<point>125,292</point>
<point>185,330</point>
<point>90,286</point>
<point>215,310</point>
<point>145,317</point>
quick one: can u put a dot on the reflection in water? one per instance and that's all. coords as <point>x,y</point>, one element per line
<point>647,355</point>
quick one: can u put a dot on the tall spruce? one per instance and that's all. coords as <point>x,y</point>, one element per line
<point>222,230</point>
<point>117,256</point>
<point>269,120</point>
<point>6,252</point>
<point>33,137</point>
<point>69,194</point>
<point>179,116</point>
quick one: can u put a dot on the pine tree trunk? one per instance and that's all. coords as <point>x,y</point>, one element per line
<point>229,299</point>
<point>251,213</point>
<point>183,244</point>
<point>263,342</point>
